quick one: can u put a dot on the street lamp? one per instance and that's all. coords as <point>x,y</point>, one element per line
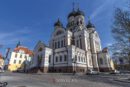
<point>25,65</point>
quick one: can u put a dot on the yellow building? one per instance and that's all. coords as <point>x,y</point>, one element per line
<point>1,62</point>
<point>112,64</point>
<point>20,59</point>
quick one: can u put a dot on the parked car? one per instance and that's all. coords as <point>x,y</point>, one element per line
<point>92,72</point>
<point>115,72</point>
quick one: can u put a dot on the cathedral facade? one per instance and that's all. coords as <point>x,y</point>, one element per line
<point>74,48</point>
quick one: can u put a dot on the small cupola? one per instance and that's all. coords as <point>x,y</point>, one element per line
<point>79,12</point>
<point>90,25</point>
<point>72,14</point>
<point>58,24</point>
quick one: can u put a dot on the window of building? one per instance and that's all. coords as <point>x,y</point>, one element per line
<point>75,57</point>
<point>60,58</point>
<point>14,61</point>
<point>19,61</point>
<point>49,58</point>
<point>59,32</point>
<point>56,59</point>
<point>101,61</point>
<point>20,56</point>
<point>80,43</point>
<point>80,22</point>
<point>58,44</point>
<point>77,43</point>
<point>79,58</point>
<point>15,55</point>
<point>25,57</point>
<point>55,45</point>
<point>85,59</point>
<point>62,43</point>
<point>90,61</point>
<point>65,58</point>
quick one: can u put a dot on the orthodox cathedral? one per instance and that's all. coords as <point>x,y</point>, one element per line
<point>74,48</point>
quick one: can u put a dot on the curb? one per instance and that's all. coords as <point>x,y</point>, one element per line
<point>122,80</point>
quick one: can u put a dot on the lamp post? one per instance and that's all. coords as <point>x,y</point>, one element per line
<point>25,65</point>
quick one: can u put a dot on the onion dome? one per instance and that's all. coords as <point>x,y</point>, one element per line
<point>71,13</point>
<point>79,12</point>
<point>90,25</point>
<point>76,13</point>
<point>58,23</point>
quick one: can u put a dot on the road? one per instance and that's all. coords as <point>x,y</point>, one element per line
<point>61,80</point>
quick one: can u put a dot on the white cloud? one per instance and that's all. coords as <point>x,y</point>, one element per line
<point>108,44</point>
<point>102,7</point>
<point>9,38</point>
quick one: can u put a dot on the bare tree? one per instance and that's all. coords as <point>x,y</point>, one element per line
<point>121,34</point>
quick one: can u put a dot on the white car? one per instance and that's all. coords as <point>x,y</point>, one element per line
<point>1,70</point>
<point>115,72</point>
<point>92,72</point>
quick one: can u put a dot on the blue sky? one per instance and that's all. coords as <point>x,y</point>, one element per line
<point>29,21</point>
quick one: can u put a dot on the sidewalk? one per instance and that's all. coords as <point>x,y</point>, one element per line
<point>126,80</point>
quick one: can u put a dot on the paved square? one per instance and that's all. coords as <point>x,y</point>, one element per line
<point>61,80</point>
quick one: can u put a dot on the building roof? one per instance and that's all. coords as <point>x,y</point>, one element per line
<point>25,49</point>
<point>90,25</point>
<point>1,56</point>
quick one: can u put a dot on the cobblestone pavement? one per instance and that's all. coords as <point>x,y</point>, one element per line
<point>61,80</point>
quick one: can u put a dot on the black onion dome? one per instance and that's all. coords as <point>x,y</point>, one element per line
<point>76,13</point>
<point>79,12</point>
<point>90,25</point>
<point>71,13</point>
<point>58,23</point>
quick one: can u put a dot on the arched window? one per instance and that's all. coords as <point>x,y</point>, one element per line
<point>40,49</point>
<point>16,55</point>
<point>60,58</point>
<point>55,45</point>
<point>101,61</point>
<point>65,58</point>
<point>62,43</point>
<point>58,44</point>
<point>20,56</point>
<point>75,57</point>
<point>39,60</point>
<point>90,61</point>
<point>59,32</point>
<point>49,58</point>
<point>80,22</point>
<point>56,59</point>
<point>79,58</point>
